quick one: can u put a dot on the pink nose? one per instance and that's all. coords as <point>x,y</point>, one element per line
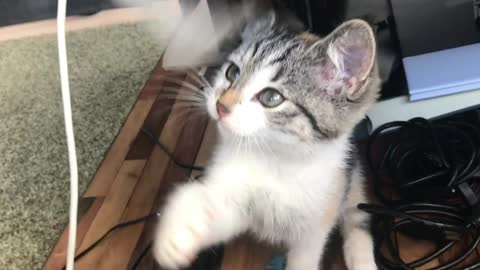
<point>222,110</point>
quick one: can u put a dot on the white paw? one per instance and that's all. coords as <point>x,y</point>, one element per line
<point>184,229</point>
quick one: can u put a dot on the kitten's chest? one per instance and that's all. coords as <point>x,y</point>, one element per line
<point>282,198</point>
<point>285,212</point>
<point>276,180</point>
<point>287,202</point>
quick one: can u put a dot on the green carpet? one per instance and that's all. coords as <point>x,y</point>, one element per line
<point>108,67</point>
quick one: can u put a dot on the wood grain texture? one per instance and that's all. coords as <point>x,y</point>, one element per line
<point>152,185</point>
<point>245,253</point>
<point>57,258</point>
<point>147,234</point>
<point>142,145</point>
<point>203,155</point>
<point>115,156</point>
<point>120,247</point>
<point>208,144</point>
<point>111,210</point>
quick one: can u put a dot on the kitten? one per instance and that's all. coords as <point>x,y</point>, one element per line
<point>286,103</point>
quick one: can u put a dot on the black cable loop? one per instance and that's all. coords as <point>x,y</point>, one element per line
<point>430,167</point>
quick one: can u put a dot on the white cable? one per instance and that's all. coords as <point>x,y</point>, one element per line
<point>67,110</point>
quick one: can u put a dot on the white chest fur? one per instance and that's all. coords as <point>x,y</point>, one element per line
<point>282,195</point>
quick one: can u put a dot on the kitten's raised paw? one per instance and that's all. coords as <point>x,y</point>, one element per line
<point>183,230</point>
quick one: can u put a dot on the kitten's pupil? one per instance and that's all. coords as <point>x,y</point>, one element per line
<point>232,72</point>
<point>270,97</point>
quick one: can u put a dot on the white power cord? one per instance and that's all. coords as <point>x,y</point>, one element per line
<point>67,110</point>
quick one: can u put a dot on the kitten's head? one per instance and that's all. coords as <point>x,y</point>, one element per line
<point>286,84</point>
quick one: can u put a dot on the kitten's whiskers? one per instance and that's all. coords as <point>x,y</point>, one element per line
<point>197,92</point>
<point>183,83</point>
<point>200,79</point>
<point>266,145</point>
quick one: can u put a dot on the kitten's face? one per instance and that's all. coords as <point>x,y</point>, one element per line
<point>295,87</point>
<point>244,104</point>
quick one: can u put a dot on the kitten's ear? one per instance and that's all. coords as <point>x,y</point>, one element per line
<point>349,57</point>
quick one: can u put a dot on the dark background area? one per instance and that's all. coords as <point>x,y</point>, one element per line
<point>431,25</point>
<point>21,11</point>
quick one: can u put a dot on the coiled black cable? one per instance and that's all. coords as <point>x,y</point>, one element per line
<point>426,176</point>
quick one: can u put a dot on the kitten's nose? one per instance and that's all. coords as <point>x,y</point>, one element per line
<point>222,110</point>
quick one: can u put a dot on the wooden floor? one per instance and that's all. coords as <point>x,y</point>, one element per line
<point>135,176</point>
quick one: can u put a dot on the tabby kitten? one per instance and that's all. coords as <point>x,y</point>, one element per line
<point>286,103</point>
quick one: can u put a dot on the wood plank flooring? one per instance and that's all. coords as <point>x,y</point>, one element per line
<point>135,176</point>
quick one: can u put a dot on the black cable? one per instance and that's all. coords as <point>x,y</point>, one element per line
<point>426,147</point>
<point>379,210</point>
<point>169,153</point>
<point>116,227</point>
<point>144,218</point>
<point>140,257</point>
<point>429,169</point>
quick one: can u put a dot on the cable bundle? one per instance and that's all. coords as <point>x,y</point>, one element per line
<point>426,175</point>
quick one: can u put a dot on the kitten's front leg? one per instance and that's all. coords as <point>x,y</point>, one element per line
<point>358,243</point>
<point>192,220</point>
<point>306,254</point>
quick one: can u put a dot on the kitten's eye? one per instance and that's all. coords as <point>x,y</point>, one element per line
<point>232,72</point>
<point>270,97</point>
